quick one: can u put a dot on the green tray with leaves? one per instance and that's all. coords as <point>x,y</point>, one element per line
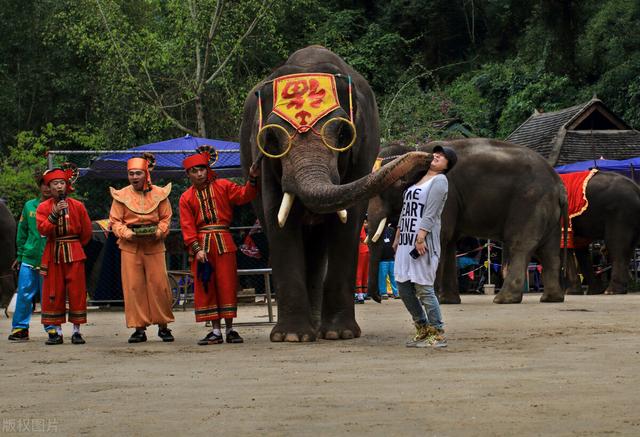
<point>143,231</point>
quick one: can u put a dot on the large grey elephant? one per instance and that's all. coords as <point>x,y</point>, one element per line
<point>313,198</point>
<point>8,255</point>
<point>613,215</point>
<point>498,191</point>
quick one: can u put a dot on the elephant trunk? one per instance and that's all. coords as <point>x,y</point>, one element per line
<point>315,188</point>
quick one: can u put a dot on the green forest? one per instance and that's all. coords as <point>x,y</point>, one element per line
<point>112,74</point>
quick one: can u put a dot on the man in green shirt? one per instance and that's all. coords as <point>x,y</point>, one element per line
<point>30,247</point>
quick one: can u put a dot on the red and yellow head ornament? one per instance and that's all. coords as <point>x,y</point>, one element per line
<point>67,172</point>
<point>206,156</point>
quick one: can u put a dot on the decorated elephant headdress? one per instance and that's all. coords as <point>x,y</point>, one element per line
<point>302,100</point>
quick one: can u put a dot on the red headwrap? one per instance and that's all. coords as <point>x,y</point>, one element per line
<point>202,158</point>
<point>65,175</point>
<point>195,161</point>
<point>141,164</point>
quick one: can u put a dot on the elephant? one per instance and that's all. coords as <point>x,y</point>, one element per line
<point>612,216</point>
<point>498,191</point>
<point>312,199</point>
<point>8,242</point>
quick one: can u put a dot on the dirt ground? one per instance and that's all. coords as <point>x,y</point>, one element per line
<point>529,369</point>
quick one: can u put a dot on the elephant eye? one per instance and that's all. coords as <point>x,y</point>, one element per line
<point>338,133</point>
<point>274,140</point>
<point>344,135</point>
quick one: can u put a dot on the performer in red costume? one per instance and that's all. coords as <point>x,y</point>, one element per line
<point>66,224</point>
<point>206,211</point>
<point>362,274</point>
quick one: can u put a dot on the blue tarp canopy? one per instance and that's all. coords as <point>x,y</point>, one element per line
<point>627,167</point>
<point>169,155</point>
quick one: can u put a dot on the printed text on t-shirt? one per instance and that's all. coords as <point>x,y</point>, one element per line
<point>411,212</point>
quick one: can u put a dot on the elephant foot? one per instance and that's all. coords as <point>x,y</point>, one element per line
<point>506,297</point>
<point>292,332</point>
<point>552,297</point>
<point>338,329</point>
<point>449,299</point>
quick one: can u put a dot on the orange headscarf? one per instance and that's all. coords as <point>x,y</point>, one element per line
<point>141,164</point>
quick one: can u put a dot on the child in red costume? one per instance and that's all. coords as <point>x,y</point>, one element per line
<point>66,224</point>
<point>362,273</point>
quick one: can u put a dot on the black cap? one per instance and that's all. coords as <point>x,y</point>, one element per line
<point>449,153</point>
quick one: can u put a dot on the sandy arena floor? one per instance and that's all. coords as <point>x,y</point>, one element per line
<point>529,369</point>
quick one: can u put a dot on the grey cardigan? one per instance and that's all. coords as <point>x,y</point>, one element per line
<point>431,217</point>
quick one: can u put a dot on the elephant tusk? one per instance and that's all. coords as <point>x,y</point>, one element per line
<point>366,240</point>
<point>381,226</point>
<point>343,215</point>
<point>285,208</point>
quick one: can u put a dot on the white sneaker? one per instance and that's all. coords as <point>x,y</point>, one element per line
<point>418,343</point>
<point>423,334</point>
<point>437,341</point>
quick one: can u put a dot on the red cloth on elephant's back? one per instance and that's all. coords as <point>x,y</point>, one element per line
<point>576,186</point>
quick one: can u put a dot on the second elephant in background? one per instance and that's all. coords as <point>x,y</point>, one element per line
<point>498,191</point>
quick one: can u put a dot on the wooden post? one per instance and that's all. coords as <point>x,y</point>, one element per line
<point>489,261</point>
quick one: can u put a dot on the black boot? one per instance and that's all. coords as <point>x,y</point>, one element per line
<point>19,335</point>
<point>234,337</point>
<point>54,338</point>
<point>139,336</point>
<point>76,338</point>
<point>165,334</point>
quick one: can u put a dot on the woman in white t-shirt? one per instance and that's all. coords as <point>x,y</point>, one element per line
<point>417,246</point>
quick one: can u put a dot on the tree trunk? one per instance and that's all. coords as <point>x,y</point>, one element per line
<point>202,128</point>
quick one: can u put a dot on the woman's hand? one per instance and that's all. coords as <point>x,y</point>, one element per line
<point>421,247</point>
<point>421,242</point>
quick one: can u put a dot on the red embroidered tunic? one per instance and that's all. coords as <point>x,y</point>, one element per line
<point>209,211</point>
<point>66,233</point>
<point>363,247</point>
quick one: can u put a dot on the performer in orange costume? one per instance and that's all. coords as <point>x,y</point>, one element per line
<point>206,211</point>
<point>362,274</point>
<point>140,217</point>
<point>66,224</point>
